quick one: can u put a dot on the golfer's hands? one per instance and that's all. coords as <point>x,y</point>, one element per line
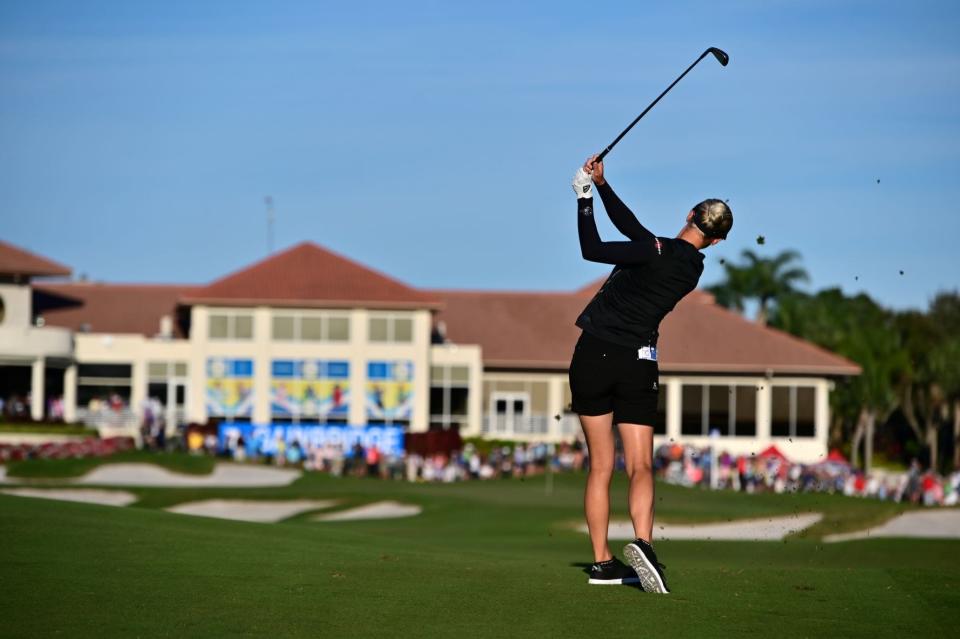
<point>582,185</point>
<point>595,170</point>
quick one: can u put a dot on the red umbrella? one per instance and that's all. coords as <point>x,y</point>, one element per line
<point>773,451</point>
<point>837,457</point>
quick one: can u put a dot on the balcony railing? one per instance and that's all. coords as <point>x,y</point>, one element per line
<point>531,426</point>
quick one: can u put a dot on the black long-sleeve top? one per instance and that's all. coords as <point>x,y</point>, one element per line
<point>650,275</point>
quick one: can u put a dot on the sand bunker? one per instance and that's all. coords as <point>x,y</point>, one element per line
<point>250,510</point>
<point>83,495</point>
<point>377,510</point>
<point>930,524</point>
<point>223,476</point>
<point>767,529</point>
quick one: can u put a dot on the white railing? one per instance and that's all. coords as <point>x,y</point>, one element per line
<point>569,425</point>
<point>109,418</point>
<point>112,423</point>
<point>509,425</point>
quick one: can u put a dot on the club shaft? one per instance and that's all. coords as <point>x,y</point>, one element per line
<point>665,91</point>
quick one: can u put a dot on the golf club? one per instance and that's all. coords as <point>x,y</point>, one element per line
<point>721,57</point>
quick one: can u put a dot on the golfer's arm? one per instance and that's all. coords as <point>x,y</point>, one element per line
<point>621,216</point>
<point>594,249</point>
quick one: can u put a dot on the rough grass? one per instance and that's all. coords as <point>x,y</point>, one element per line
<point>484,559</point>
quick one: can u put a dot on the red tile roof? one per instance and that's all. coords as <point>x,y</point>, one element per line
<point>16,261</point>
<point>114,308</point>
<point>309,275</point>
<point>536,330</point>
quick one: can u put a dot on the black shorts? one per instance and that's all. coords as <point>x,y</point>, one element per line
<point>607,377</point>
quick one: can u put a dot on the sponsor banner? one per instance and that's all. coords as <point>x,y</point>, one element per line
<point>390,390</point>
<point>229,388</point>
<point>311,388</point>
<point>262,439</point>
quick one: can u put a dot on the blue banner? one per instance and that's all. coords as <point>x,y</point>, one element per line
<point>261,439</point>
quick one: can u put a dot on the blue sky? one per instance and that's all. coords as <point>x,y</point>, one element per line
<point>435,141</point>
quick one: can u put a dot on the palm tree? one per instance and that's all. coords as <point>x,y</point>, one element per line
<point>763,279</point>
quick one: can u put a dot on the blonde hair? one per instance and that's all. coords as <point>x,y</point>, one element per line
<point>713,218</point>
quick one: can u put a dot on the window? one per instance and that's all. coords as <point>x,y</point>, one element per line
<point>449,392</point>
<point>100,385</point>
<point>391,328</point>
<point>219,326</point>
<point>719,409</point>
<point>731,410</point>
<point>660,427</point>
<point>243,326</point>
<point>161,371</point>
<point>378,329</point>
<point>793,411</point>
<point>231,326</point>
<point>96,372</point>
<point>745,411</point>
<point>692,413</point>
<point>403,330</point>
<point>338,329</point>
<point>311,327</point>
<point>806,412</point>
<point>282,328</point>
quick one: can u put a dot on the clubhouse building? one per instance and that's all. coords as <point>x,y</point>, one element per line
<point>308,336</point>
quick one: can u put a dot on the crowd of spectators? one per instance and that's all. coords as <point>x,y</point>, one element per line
<point>500,461</point>
<point>768,471</point>
<point>771,471</point>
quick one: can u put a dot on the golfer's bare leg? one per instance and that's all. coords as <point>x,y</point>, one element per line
<point>638,455</point>
<point>596,498</point>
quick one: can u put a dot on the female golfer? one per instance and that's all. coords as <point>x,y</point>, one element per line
<point>613,372</point>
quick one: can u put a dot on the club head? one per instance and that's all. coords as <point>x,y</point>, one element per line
<point>721,57</point>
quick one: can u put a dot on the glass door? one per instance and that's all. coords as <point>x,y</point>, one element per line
<point>508,411</point>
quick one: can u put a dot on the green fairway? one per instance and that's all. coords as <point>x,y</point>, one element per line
<point>484,559</point>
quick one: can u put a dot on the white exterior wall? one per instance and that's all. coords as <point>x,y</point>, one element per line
<point>263,349</point>
<point>17,304</point>
<point>802,449</point>
<point>470,356</point>
<point>20,341</point>
<point>555,383</point>
<point>135,350</point>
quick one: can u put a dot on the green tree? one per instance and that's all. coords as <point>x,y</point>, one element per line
<point>921,396</point>
<point>763,279</point>
<point>931,390</point>
<point>861,330</point>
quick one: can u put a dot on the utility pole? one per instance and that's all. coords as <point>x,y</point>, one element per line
<point>268,200</point>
